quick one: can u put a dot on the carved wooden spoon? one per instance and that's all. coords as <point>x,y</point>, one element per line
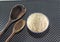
<point>17,27</point>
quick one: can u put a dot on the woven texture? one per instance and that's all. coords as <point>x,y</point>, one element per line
<point>50,8</point>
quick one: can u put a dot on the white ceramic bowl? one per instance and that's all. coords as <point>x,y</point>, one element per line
<point>37,22</point>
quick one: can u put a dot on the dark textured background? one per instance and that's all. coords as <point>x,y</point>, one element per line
<point>51,8</point>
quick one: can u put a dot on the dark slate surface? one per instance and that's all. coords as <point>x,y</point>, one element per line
<point>51,8</point>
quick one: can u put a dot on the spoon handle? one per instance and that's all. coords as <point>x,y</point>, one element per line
<point>10,37</point>
<point>6,26</point>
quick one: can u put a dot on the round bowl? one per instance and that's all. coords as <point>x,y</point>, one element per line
<point>37,22</point>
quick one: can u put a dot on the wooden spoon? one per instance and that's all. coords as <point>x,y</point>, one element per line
<point>16,13</point>
<point>17,27</point>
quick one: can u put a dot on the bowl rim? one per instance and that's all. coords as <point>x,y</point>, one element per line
<point>45,27</point>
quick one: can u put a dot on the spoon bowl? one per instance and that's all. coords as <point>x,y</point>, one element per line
<point>19,25</point>
<point>17,11</point>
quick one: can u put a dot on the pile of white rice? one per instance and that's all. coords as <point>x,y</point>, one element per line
<point>37,22</point>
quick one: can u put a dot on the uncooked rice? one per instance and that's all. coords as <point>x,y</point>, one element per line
<point>37,22</point>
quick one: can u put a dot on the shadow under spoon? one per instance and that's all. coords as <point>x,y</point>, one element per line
<point>18,26</point>
<point>16,13</point>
